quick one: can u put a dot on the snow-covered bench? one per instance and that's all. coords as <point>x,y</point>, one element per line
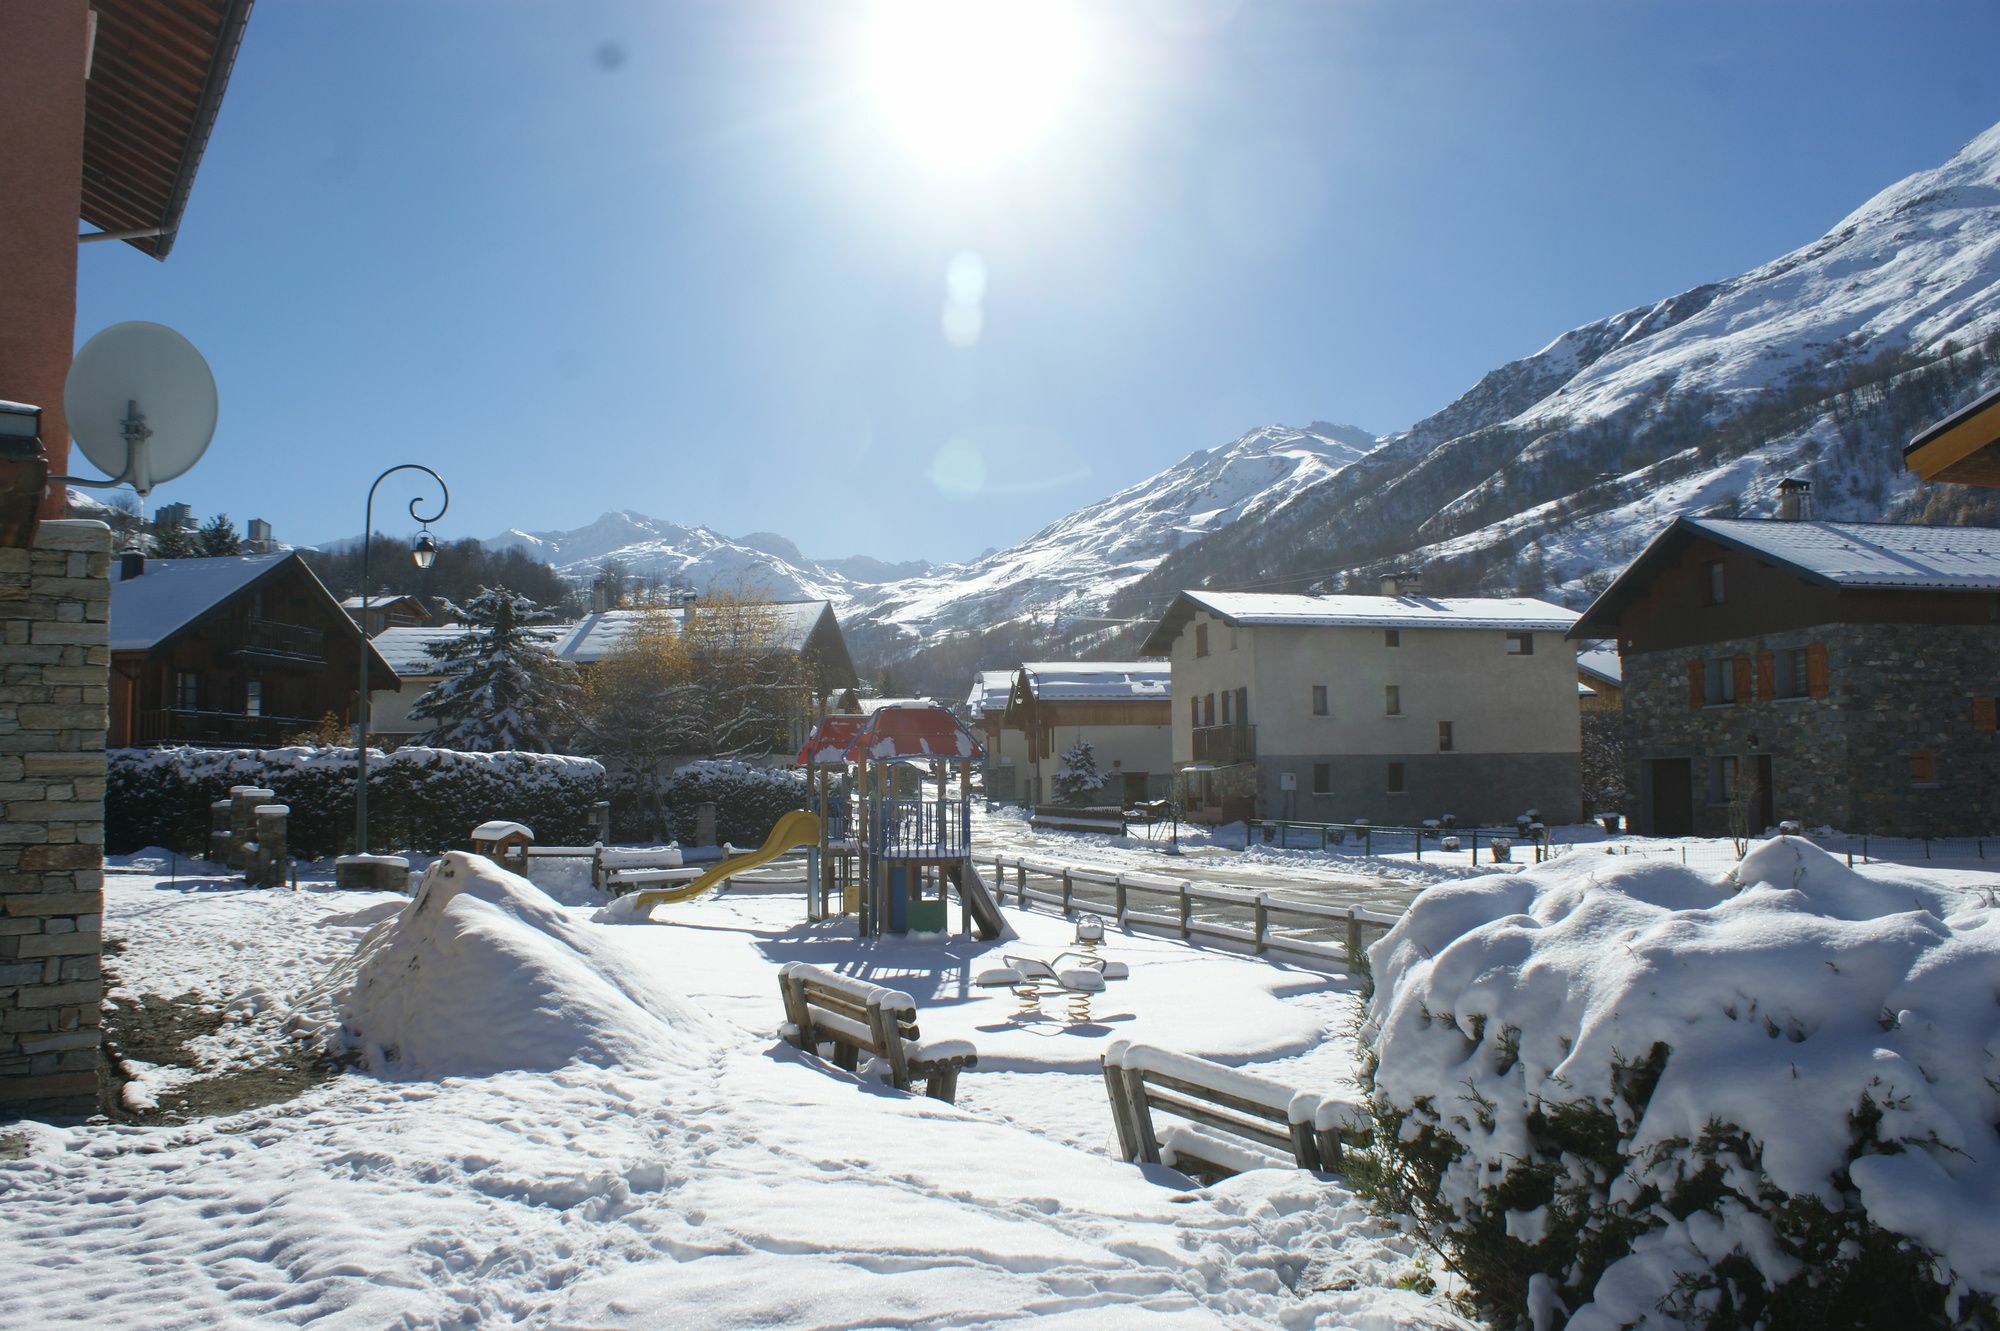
<point>1231,1121</point>
<point>617,871</point>
<point>855,1017</point>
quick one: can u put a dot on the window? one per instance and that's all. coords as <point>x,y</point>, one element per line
<point>1520,644</point>
<point>1395,778</point>
<point>1444,737</point>
<point>1227,699</point>
<point>1208,709</point>
<point>187,689</point>
<point>1790,673</point>
<point>1392,700</point>
<point>1319,700</point>
<point>1923,770</point>
<point>1201,640</point>
<point>1194,712</point>
<point>1721,779</point>
<point>253,698</point>
<point>1720,678</point>
<point>1322,778</point>
<point>1986,713</point>
<point>1714,583</point>
<point>1392,637</point>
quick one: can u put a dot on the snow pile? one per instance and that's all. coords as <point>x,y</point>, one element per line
<point>483,973</point>
<point>1653,1098</point>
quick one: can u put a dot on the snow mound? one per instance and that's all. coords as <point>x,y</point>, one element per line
<point>484,973</point>
<point>1795,1034</point>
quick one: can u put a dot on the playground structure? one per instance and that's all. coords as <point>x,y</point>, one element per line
<point>888,849</point>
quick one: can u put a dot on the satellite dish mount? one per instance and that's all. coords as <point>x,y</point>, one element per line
<point>141,405</point>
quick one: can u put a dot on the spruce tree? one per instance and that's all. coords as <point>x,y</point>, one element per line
<point>504,686</point>
<point>1078,778</point>
<point>173,541</point>
<point>218,537</point>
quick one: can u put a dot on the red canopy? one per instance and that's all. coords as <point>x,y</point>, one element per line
<point>899,731</point>
<point>827,745</point>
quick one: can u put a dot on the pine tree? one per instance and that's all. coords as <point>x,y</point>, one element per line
<point>173,541</point>
<point>504,686</point>
<point>218,537</point>
<point>1078,778</point>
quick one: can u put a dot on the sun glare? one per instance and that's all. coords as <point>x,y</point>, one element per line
<point>967,84</point>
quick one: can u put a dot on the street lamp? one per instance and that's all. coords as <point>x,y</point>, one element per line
<point>423,552</point>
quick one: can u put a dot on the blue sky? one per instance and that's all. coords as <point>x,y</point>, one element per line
<point>710,261</point>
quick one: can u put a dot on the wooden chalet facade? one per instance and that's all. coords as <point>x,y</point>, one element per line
<point>388,612</point>
<point>1961,449</point>
<point>242,650</point>
<point>1837,674</point>
<point>1124,709</point>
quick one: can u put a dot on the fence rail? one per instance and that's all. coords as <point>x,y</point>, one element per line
<point>1385,839</point>
<point>1236,915</point>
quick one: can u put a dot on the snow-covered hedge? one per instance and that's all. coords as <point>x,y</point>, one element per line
<point>418,798</point>
<point>1621,1095</point>
<point>748,800</point>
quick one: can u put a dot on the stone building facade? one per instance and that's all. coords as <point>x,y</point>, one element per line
<point>54,690</point>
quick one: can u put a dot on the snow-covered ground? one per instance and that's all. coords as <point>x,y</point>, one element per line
<point>570,1123</point>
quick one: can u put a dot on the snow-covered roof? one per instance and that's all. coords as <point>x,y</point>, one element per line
<point>1870,554</point>
<point>870,706</point>
<point>1098,681</point>
<point>408,649</point>
<point>171,594</point>
<point>1602,664</point>
<point>989,690</point>
<point>791,624</point>
<point>1350,610</point>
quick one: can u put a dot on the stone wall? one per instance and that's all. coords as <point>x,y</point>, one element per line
<point>1841,760</point>
<point>55,663</point>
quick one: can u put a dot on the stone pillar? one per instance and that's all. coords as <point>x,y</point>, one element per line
<point>704,824</point>
<point>55,687</point>
<point>267,866</point>
<point>243,805</point>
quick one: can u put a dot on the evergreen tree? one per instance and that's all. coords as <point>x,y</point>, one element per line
<point>1078,778</point>
<point>218,537</point>
<point>173,541</point>
<point>504,686</point>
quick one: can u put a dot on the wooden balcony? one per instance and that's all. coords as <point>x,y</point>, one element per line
<point>187,725</point>
<point>270,639</point>
<point>1225,744</point>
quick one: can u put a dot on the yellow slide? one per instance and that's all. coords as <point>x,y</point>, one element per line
<point>795,829</point>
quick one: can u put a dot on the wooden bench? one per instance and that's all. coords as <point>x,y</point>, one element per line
<point>1231,1121</point>
<point>856,1017</point>
<point>616,871</point>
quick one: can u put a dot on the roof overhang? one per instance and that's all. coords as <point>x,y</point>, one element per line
<point>157,74</point>
<point>1961,449</point>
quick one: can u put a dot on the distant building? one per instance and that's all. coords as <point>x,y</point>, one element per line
<point>235,650</point>
<point>1841,674</point>
<point>1006,750</point>
<point>257,537</point>
<point>1961,449</point>
<point>1391,708</point>
<point>1123,708</point>
<point>387,611</point>
<point>1599,677</point>
<point>173,515</point>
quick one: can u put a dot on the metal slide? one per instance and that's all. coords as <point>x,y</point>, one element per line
<point>972,891</point>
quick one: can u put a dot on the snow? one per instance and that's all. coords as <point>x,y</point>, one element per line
<point>493,831</point>
<point>1872,554</point>
<point>1098,681</point>
<point>990,691</point>
<point>1446,612</point>
<point>172,593</point>
<point>1790,991</point>
<point>565,1124</point>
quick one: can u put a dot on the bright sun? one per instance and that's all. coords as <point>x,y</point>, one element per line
<point>967,84</point>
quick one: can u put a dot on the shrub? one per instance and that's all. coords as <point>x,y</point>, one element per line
<point>748,800</point>
<point>1628,1096</point>
<point>418,798</point>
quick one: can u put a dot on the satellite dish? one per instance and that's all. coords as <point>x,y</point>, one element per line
<point>141,405</point>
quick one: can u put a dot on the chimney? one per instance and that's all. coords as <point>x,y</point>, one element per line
<point>131,563</point>
<point>1402,583</point>
<point>1390,585</point>
<point>1794,499</point>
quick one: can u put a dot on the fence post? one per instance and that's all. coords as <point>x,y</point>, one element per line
<point>1186,904</point>
<point>1420,845</point>
<point>1067,890</point>
<point>1368,842</point>
<point>1263,920</point>
<point>1475,847</point>
<point>1353,939</point>
<point>1118,895</point>
<point>1020,884</point>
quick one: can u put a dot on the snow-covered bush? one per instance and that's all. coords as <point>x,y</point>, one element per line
<point>1077,778</point>
<point>418,798</point>
<point>748,800</point>
<point>1617,1094</point>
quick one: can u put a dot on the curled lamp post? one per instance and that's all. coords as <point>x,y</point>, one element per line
<point>424,551</point>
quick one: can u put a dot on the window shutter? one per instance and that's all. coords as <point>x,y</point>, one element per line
<point>1697,687</point>
<point>1986,714</point>
<point>1767,675</point>
<point>1739,669</point>
<point>1816,681</point>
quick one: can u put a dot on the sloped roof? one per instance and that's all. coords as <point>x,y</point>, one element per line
<point>1349,610</point>
<point>408,649</point>
<point>990,689</point>
<point>1602,664</point>
<point>1963,448</point>
<point>1863,556</point>
<point>1098,681</point>
<point>828,744</point>
<point>913,730</point>
<point>791,627</point>
<point>376,600</point>
<point>172,596</point>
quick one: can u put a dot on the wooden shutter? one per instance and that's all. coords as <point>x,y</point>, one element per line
<point>1985,714</point>
<point>1767,675</point>
<point>1739,669</point>
<point>1697,687</point>
<point>1816,681</point>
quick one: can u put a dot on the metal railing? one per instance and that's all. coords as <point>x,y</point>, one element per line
<point>270,637</point>
<point>1225,744</point>
<point>917,829</point>
<point>1196,910</point>
<point>1384,839</point>
<point>193,726</point>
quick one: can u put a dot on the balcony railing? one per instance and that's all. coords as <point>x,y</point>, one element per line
<point>1225,744</point>
<point>923,829</point>
<point>269,637</point>
<point>187,725</point>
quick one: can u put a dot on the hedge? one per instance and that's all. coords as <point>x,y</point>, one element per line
<point>748,801</point>
<point>418,798</point>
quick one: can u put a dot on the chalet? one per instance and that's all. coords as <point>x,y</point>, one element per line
<point>1390,708</point>
<point>1961,449</point>
<point>1006,750</point>
<point>1599,677</point>
<point>388,612</point>
<point>1123,708</point>
<point>238,650</point>
<point>1836,673</point>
